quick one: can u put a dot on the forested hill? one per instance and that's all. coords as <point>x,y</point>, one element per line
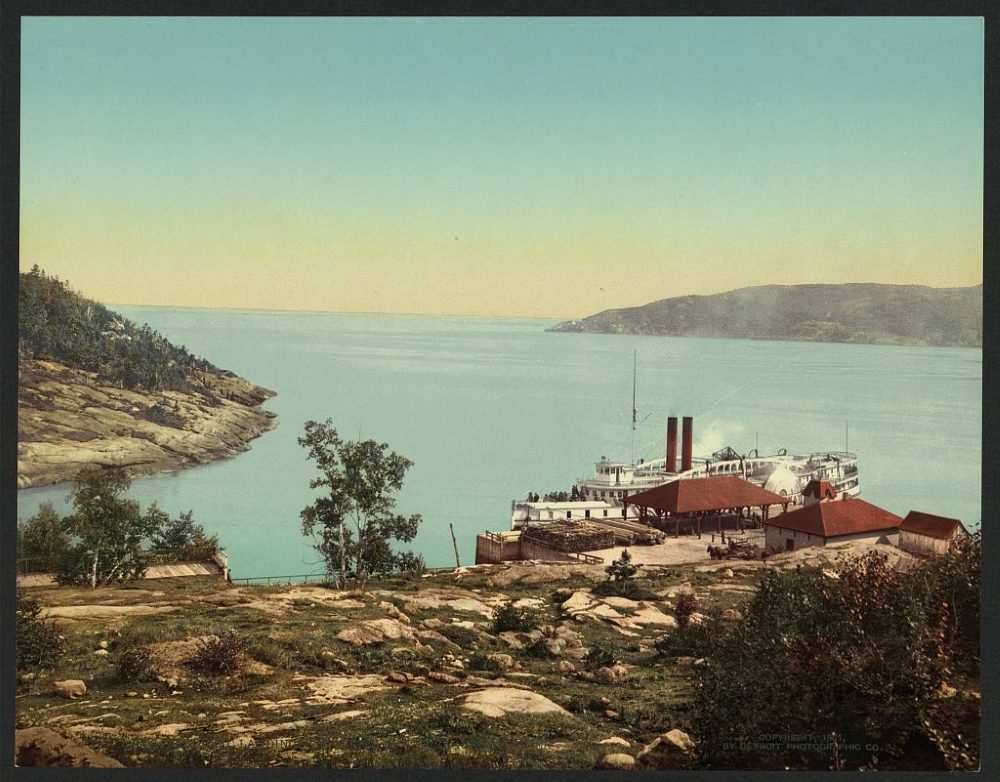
<point>56,323</point>
<point>856,312</point>
<point>95,390</point>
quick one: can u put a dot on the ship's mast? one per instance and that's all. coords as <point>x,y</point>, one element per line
<point>634,361</point>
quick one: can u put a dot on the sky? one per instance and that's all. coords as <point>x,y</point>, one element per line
<point>521,167</point>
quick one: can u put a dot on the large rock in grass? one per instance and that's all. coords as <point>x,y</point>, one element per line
<point>70,688</point>
<point>501,701</point>
<point>375,631</point>
<point>618,760</point>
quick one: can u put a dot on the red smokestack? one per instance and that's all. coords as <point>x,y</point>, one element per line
<point>687,443</point>
<point>672,444</point>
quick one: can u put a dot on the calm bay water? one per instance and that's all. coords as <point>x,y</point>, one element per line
<point>489,409</point>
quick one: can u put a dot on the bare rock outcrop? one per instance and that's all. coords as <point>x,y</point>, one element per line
<point>500,701</point>
<point>68,421</point>
<point>41,746</point>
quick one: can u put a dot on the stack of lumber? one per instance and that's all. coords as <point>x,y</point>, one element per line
<point>571,535</point>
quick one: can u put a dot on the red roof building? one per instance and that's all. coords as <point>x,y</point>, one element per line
<point>924,533</point>
<point>818,491</point>
<point>823,523</point>
<point>694,498</point>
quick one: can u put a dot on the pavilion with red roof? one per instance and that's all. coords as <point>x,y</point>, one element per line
<point>692,499</point>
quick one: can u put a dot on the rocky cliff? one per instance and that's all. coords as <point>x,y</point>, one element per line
<point>68,420</point>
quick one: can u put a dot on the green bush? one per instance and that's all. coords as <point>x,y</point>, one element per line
<point>690,640</point>
<point>218,655</point>
<point>508,617</point>
<point>36,642</point>
<point>685,605</point>
<point>483,662</point>
<point>134,664</point>
<point>621,570</point>
<point>42,541</point>
<point>864,653</point>
<point>601,656</point>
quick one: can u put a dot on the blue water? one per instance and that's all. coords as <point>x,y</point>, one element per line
<point>489,409</point>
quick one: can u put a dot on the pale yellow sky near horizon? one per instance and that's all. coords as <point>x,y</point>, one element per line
<point>520,167</point>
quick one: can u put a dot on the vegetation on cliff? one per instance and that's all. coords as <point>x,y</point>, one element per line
<point>857,313</point>
<point>94,389</point>
<point>60,324</point>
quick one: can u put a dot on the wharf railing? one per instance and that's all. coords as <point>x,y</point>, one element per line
<point>580,556</point>
<point>318,578</point>
<point>304,578</point>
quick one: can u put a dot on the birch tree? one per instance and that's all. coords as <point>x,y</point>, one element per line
<point>108,531</point>
<point>353,525</point>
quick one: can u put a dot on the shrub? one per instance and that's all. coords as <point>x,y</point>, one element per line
<point>508,617</point>
<point>539,650</point>
<point>621,571</point>
<point>134,664</point>
<point>865,654</point>
<point>36,642</point>
<point>685,605</point>
<point>601,656</point>
<point>218,654</point>
<point>689,640</point>
<point>162,415</point>
<point>42,541</point>
<point>483,662</point>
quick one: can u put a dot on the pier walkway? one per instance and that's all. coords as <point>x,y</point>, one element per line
<point>153,571</point>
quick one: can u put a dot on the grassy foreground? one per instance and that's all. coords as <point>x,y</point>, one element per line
<point>197,672</point>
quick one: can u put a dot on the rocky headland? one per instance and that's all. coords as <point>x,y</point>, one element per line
<point>68,420</point>
<point>860,313</point>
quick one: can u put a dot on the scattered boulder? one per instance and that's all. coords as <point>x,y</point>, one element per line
<point>434,635</point>
<point>578,601</point>
<point>616,740</point>
<point>613,674</point>
<point>503,661</point>
<point>731,615</point>
<point>70,688</point>
<point>443,678</point>
<point>375,631</point>
<point>619,761</point>
<point>677,739</point>
<point>500,701</point>
<point>651,615</point>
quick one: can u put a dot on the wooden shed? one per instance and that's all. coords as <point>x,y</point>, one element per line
<point>926,534</point>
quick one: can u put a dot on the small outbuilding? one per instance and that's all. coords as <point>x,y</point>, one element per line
<point>926,534</point>
<point>826,523</point>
